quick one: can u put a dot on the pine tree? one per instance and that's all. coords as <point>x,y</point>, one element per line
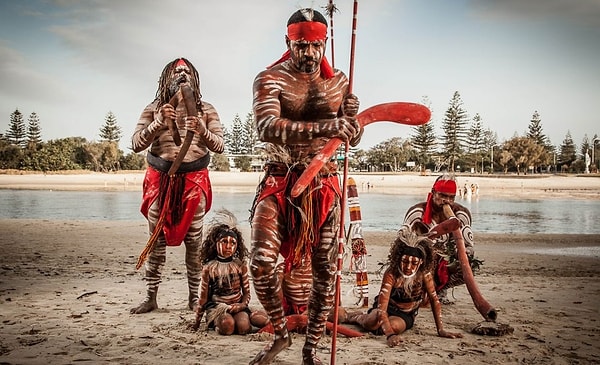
<point>585,147</point>
<point>536,133</point>
<point>236,142</point>
<point>34,132</point>
<point>490,141</point>
<point>568,150</point>
<point>250,134</point>
<point>490,138</point>
<point>476,137</point>
<point>423,139</point>
<point>16,133</point>
<point>455,130</point>
<point>110,131</point>
<point>476,142</point>
<point>535,130</point>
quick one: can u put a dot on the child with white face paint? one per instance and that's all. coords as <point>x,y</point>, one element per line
<point>225,287</point>
<point>407,281</point>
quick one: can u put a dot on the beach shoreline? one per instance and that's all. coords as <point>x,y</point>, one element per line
<point>67,286</point>
<point>509,186</point>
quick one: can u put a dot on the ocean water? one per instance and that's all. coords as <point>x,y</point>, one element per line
<point>380,212</point>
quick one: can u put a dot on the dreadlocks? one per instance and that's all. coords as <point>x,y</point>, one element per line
<point>164,94</point>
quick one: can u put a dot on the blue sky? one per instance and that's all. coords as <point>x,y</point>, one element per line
<point>72,62</point>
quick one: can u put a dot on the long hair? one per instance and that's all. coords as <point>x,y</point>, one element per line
<point>163,94</point>
<point>224,221</point>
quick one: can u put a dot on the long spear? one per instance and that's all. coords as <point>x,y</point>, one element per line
<point>338,280</point>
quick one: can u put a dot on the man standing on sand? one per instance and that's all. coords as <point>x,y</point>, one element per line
<point>421,217</point>
<point>300,103</point>
<point>185,197</point>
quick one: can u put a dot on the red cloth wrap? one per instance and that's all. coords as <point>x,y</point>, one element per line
<point>326,195</point>
<point>196,183</point>
<point>290,309</point>
<point>441,186</point>
<point>441,274</point>
<point>445,186</point>
<point>308,31</point>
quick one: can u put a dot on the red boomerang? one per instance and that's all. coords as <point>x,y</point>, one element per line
<point>396,112</point>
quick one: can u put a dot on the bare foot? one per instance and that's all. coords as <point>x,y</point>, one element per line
<point>309,357</point>
<point>271,350</point>
<point>145,307</point>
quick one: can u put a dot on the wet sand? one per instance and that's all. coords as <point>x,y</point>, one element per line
<point>66,288</point>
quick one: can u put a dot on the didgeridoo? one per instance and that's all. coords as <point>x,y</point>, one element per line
<point>483,306</point>
<point>190,106</point>
<point>171,123</point>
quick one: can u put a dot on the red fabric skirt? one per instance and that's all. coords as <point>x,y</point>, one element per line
<point>196,184</point>
<point>325,195</point>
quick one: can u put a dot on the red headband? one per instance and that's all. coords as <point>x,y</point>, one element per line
<point>445,186</point>
<point>441,186</point>
<point>181,62</point>
<point>309,31</point>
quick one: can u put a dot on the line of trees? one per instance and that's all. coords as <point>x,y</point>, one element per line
<point>464,145</point>
<point>22,148</point>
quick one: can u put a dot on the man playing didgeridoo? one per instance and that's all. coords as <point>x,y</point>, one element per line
<point>186,196</point>
<point>300,103</point>
<point>421,217</point>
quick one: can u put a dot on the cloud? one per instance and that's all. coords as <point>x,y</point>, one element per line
<point>25,81</point>
<point>585,13</point>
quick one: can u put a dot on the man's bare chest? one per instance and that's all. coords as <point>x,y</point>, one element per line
<point>311,100</point>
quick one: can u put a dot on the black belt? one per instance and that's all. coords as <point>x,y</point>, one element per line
<point>163,165</point>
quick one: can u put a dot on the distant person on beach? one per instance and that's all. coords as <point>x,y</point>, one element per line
<point>407,282</point>
<point>225,287</point>
<point>425,215</point>
<point>300,103</point>
<point>183,199</point>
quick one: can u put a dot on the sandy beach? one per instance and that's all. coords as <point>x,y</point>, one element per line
<point>66,288</point>
<point>511,186</point>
